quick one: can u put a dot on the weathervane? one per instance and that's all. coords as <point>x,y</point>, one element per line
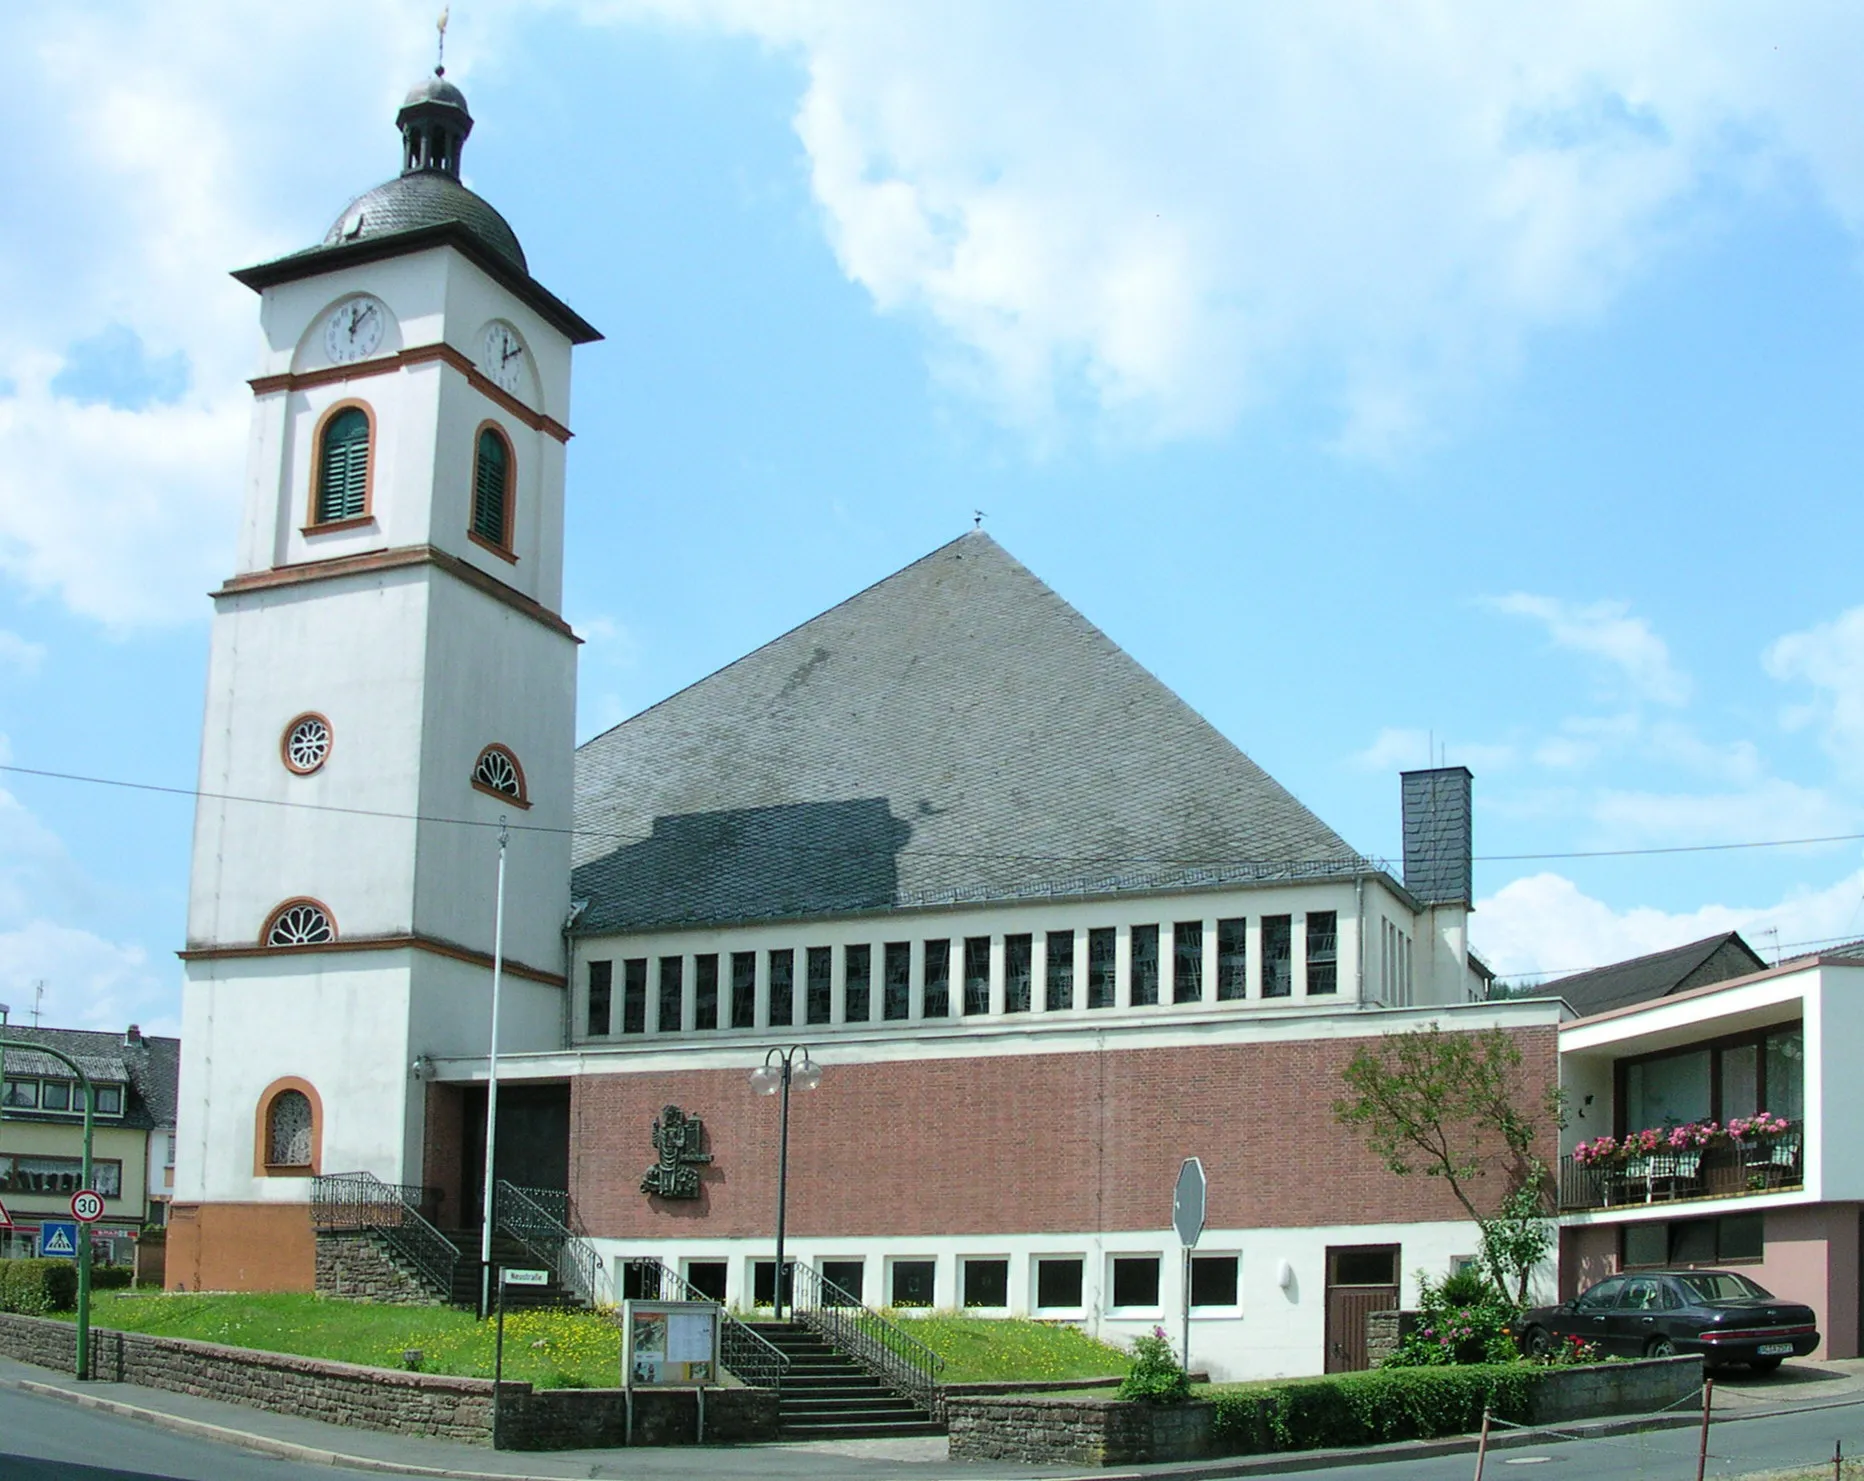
<point>440,62</point>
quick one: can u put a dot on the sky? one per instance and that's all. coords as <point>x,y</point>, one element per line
<point>1398,381</point>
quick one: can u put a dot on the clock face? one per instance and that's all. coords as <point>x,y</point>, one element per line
<point>502,357</point>
<point>355,329</point>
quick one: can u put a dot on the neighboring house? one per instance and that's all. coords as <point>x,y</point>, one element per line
<point>42,1142</point>
<point>1640,979</point>
<point>1779,1202</point>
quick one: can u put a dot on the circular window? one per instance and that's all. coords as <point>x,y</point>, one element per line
<point>497,771</point>
<point>306,744</point>
<point>300,923</point>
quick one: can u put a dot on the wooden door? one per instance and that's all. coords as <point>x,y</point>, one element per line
<point>1361,1279</point>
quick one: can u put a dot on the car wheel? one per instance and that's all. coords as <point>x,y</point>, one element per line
<point>1660,1347</point>
<point>1765,1365</point>
<point>1538,1341</point>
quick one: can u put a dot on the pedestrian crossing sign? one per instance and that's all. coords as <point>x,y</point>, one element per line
<point>6,1219</point>
<point>58,1239</point>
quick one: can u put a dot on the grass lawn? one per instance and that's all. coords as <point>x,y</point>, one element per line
<point>982,1350</point>
<point>552,1349</point>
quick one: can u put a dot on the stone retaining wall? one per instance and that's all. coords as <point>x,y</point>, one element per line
<point>359,1267</point>
<point>1077,1431</point>
<point>427,1404</point>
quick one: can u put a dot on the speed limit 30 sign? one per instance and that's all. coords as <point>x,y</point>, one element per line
<point>87,1206</point>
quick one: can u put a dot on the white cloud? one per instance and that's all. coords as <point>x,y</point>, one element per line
<point>1545,924</point>
<point>1830,658</point>
<point>1606,631</point>
<point>155,159</point>
<point>1154,215</point>
<point>19,654</point>
<point>1399,749</point>
<point>90,980</point>
<point>1769,811</point>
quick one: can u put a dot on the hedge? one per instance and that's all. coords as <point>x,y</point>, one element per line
<point>38,1287</point>
<point>1370,1408</point>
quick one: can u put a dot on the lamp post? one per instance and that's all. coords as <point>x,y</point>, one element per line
<point>778,1072</point>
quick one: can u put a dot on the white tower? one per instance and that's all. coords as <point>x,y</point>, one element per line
<point>389,678</point>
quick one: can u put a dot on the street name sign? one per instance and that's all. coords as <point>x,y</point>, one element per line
<point>527,1277</point>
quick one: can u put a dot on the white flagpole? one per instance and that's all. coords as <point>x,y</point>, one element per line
<point>491,1088</point>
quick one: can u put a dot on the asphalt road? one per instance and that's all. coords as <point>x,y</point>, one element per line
<point>50,1440</point>
<point>45,1439</point>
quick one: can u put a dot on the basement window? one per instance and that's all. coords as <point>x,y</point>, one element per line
<point>1135,1281</point>
<point>986,1283</point>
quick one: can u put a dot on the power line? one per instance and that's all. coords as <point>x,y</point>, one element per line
<point>1512,977</point>
<point>1102,859</point>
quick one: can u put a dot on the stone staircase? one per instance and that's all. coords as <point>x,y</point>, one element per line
<point>828,1396</point>
<point>508,1253</point>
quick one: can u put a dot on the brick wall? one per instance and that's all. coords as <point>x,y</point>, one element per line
<point>385,1399</point>
<point>1012,1144</point>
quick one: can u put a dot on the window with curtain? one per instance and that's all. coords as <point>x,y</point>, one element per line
<point>491,489</point>
<point>343,467</point>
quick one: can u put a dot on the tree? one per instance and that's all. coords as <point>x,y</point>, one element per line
<point>1454,1106</point>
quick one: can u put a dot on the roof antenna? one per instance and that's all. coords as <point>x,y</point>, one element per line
<point>977,519</point>
<point>440,62</point>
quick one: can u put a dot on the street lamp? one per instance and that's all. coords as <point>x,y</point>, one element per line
<point>779,1071</point>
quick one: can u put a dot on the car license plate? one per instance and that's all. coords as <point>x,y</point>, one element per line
<point>1775,1349</point>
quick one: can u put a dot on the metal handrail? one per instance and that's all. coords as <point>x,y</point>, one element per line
<point>361,1202</point>
<point>884,1348</point>
<point>538,1219</point>
<point>756,1360</point>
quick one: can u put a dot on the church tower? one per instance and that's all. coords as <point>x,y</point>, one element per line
<point>390,678</point>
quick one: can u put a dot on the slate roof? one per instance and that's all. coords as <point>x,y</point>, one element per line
<point>1642,979</point>
<point>955,732</point>
<point>151,1067</point>
<point>425,198</point>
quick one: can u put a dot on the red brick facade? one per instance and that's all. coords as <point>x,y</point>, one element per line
<point>1014,1144</point>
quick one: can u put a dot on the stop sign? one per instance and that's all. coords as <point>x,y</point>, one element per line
<point>1187,1202</point>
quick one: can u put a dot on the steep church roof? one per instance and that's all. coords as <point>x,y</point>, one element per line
<point>955,732</point>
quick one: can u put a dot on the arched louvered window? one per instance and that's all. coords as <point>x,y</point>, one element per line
<point>491,489</point>
<point>343,467</point>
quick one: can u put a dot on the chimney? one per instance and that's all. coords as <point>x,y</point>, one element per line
<point>133,1036</point>
<point>1438,844</point>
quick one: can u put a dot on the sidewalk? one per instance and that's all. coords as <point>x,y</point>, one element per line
<point>1801,1387</point>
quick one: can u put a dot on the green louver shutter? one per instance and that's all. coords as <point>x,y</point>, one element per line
<point>343,467</point>
<point>490,474</point>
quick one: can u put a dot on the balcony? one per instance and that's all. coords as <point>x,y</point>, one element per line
<point>1726,1168</point>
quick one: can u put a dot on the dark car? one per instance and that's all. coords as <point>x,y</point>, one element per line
<point>1657,1313</point>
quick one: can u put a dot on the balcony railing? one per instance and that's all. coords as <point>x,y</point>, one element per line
<point>1726,1169</point>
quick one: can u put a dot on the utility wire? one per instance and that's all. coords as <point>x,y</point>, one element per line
<point>1107,859</point>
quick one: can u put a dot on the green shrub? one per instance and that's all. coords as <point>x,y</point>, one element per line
<point>38,1287</point>
<point>112,1277</point>
<point>1369,1408</point>
<point>1461,1319</point>
<point>1156,1374</point>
